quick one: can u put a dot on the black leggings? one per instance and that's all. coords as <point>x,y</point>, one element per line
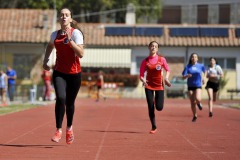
<point>159,101</point>
<point>66,87</point>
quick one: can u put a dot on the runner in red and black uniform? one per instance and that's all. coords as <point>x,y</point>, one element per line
<point>100,86</point>
<point>68,42</point>
<point>153,66</point>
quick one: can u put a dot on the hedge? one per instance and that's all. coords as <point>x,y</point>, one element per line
<point>127,79</point>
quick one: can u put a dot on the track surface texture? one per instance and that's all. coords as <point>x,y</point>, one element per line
<point>118,129</point>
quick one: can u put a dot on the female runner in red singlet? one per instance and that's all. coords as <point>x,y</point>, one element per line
<point>68,42</point>
<point>153,65</point>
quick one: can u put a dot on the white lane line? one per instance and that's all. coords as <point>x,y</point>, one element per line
<point>204,153</point>
<point>104,136</point>
<point>214,152</point>
<point>166,151</point>
<point>26,133</point>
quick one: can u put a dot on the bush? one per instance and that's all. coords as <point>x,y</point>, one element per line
<point>127,79</point>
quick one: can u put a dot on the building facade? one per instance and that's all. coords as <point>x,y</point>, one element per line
<point>120,48</point>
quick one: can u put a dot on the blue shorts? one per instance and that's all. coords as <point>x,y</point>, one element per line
<point>193,88</point>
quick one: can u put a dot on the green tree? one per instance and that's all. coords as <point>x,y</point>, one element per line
<point>148,8</point>
<point>222,83</point>
<point>8,3</point>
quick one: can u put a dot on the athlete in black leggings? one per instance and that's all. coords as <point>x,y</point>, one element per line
<point>66,88</point>
<point>153,81</point>
<point>69,45</point>
<point>159,101</point>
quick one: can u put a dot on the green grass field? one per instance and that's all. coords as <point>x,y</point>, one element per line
<point>16,108</point>
<point>20,107</point>
<point>236,106</point>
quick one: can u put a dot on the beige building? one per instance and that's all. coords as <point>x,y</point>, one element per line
<point>118,47</point>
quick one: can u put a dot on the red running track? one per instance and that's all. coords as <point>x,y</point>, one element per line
<point>118,129</point>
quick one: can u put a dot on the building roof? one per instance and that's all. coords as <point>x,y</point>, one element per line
<point>28,26</point>
<point>95,36</point>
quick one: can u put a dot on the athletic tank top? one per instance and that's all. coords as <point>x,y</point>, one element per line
<point>154,75</point>
<point>66,61</point>
<point>99,81</point>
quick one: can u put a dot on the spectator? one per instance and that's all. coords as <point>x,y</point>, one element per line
<point>12,76</point>
<point>100,86</point>
<point>46,76</point>
<point>89,85</point>
<point>3,88</point>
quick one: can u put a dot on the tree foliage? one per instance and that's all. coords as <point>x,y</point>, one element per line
<point>147,8</point>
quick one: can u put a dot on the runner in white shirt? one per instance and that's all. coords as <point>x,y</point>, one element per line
<point>214,74</point>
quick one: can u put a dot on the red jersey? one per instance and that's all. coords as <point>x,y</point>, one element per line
<point>154,72</point>
<point>99,81</point>
<point>67,61</point>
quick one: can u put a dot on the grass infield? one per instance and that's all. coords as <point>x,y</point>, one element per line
<point>16,108</point>
<point>236,106</point>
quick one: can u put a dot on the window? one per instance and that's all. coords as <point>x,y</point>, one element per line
<point>221,62</point>
<point>225,63</point>
<point>202,14</point>
<point>231,63</point>
<point>23,64</point>
<point>171,15</point>
<point>224,14</point>
<point>139,62</point>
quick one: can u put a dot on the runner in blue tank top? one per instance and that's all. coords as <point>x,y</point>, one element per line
<point>195,73</point>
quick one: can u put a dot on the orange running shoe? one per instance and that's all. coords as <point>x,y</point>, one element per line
<point>57,136</point>
<point>153,131</point>
<point>69,136</point>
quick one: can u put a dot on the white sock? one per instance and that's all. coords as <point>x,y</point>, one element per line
<point>69,128</point>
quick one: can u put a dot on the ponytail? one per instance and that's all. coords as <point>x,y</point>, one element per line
<point>74,24</point>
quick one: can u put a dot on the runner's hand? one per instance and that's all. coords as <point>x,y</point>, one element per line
<point>144,83</point>
<point>46,67</point>
<point>167,82</point>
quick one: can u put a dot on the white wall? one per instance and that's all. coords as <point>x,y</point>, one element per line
<point>226,52</point>
<point>144,52</point>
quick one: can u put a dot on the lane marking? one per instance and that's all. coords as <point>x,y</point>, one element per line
<point>104,136</point>
<point>166,151</point>
<point>26,133</point>
<point>204,153</point>
<point>215,152</point>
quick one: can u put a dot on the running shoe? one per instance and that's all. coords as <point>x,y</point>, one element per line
<point>57,136</point>
<point>3,105</point>
<point>199,106</point>
<point>153,131</point>
<point>69,136</point>
<point>194,119</point>
<point>210,114</point>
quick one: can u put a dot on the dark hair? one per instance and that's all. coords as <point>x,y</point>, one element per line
<point>214,59</point>
<point>190,58</point>
<point>152,43</point>
<point>74,23</point>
